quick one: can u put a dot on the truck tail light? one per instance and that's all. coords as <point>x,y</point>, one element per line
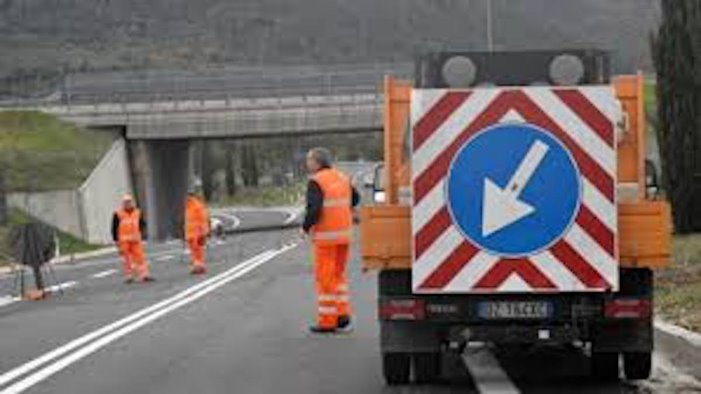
<point>402,309</point>
<point>628,308</point>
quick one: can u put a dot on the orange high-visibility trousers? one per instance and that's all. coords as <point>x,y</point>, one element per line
<point>331,284</point>
<point>197,251</point>
<point>134,259</point>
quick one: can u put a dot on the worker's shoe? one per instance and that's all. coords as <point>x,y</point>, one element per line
<point>148,279</point>
<point>322,330</point>
<point>344,324</point>
<point>198,270</point>
<point>128,281</point>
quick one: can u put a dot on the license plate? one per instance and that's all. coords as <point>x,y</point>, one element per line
<point>515,310</point>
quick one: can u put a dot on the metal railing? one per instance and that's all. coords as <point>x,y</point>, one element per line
<point>222,84</point>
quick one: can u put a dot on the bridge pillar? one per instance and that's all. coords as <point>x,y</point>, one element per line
<point>161,173</point>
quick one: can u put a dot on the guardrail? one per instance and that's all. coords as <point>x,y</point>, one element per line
<point>251,84</point>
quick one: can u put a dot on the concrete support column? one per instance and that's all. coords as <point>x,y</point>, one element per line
<point>161,174</point>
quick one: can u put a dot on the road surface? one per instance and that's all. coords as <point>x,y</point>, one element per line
<point>240,329</point>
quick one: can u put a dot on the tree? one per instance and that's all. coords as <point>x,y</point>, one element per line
<point>677,57</point>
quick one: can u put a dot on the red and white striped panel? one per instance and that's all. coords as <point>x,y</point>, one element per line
<point>586,256</point>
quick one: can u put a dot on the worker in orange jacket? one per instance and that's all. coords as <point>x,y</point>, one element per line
<point>196,230</point>
<point>128,232</point>
<point>329,221</point>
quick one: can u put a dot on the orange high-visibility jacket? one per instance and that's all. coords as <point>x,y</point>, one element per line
<point>336,220</point>
<point>129,229</point>
<point>196,218</point>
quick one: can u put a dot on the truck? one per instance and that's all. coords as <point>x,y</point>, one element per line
<point>516,207</point>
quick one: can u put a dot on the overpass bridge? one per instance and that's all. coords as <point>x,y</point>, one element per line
<point>230,118</point>
<point>160,116</point>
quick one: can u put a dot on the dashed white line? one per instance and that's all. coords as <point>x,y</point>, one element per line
<point>103,274</point>
<point>486,372</point>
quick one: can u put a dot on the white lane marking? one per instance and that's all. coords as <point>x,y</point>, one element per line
<point>126,325</point>
<point>61,286</point>
<point>486,372</point>
<point>103,274</point>
<point>7,300</point>
<point>674,330</point>
<point>236,221</point>
<point>292,214</point>
<point>165,258</point>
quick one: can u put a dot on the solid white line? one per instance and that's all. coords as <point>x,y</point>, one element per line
<point>103,274</point>
<point>37,362</point>
<point>674,330</point>
<point>486,372</point>
<point>64,362</point>
<point>7,300</point>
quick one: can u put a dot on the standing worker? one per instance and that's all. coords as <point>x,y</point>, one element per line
<point>329,221</point>
<point>196,230</point>
<point>128,232</point>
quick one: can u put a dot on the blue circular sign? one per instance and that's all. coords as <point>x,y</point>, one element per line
<point>513,190</point>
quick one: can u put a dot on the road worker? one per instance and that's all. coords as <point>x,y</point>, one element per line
<point>329,221</point>
<point>128,232</point>
<point>196,230</point>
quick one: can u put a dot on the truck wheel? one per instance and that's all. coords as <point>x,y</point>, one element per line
<point>604,366</point>
<point>637,365</point>
<point>396,368</point>
<point>427,367</point>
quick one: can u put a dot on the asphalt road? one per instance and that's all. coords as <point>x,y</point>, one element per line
<point>241,329</point>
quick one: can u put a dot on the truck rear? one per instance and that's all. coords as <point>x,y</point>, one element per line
<point>515,211</point>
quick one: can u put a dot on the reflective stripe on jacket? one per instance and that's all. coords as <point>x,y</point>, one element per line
<point>335,222</point>
<point>129,228</point>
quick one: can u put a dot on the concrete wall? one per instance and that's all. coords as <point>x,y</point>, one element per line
<point>60,208</point>
<point>102,192</point>
<point>86,212</point>
<point>161,173</point>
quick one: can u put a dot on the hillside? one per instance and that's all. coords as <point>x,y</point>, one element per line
<point>47,37</point>
<point>39,152</point>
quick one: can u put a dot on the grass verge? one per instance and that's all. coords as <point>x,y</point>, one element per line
<point>678,288</point>
<point>40,152</point>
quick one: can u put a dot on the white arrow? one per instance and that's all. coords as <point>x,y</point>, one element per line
<point>502,207</point>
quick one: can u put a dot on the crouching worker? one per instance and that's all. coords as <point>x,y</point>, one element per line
<point>329,221</point>
<point>128,231</point>
<point>196,230</point>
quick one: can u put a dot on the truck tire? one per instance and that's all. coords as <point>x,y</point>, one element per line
<point>604,366</point>
<point>637,365</point>
<point>396,368</point>
<point>427,367</point>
